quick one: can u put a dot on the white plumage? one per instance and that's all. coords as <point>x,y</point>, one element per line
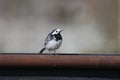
<point>53,44</point>
<point>53,41</point>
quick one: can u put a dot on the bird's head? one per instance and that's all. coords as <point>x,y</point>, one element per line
<point>56,31</point>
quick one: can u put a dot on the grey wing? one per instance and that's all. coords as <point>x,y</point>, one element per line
<point>48,38</point>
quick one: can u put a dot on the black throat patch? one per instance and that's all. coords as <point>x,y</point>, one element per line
<point>58,37</point>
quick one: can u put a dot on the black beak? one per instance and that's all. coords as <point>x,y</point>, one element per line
<point>61,30</point>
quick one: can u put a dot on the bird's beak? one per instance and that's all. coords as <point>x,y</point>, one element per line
<point>61,30</point>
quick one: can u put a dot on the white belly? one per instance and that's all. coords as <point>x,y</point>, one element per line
<point>52,45</point>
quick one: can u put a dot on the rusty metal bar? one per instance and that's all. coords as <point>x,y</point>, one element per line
<point>88,61</point>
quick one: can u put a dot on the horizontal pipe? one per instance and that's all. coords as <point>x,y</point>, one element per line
<point>86,61</point>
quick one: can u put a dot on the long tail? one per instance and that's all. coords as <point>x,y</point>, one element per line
<point>41,51</point>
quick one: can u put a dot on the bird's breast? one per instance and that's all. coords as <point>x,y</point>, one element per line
<point>53,44</point>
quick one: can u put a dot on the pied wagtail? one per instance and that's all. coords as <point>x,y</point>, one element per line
<point>53,41</point>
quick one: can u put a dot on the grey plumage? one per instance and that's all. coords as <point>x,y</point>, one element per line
<point>53,41</point>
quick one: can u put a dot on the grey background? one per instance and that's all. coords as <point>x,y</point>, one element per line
<point>90,26</point>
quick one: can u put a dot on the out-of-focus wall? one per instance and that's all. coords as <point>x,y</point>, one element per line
<point>90,26</point>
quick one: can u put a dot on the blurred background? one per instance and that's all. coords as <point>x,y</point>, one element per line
<point>90,26</point>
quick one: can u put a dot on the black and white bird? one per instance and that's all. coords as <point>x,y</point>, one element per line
<point>53,41</point>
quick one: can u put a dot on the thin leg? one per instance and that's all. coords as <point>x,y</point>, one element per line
<point>55,52</point>
<point>49,52</point>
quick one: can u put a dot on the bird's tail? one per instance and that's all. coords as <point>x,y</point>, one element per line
<point>41,51</point>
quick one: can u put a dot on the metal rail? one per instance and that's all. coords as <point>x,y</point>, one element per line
<point>83,61</point>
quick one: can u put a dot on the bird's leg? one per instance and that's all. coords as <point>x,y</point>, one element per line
<point>49,52</point>
<point>55,52</point>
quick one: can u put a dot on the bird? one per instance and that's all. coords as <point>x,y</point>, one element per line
<point>53,41</point>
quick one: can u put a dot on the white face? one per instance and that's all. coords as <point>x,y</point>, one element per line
<point>56,31</point>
